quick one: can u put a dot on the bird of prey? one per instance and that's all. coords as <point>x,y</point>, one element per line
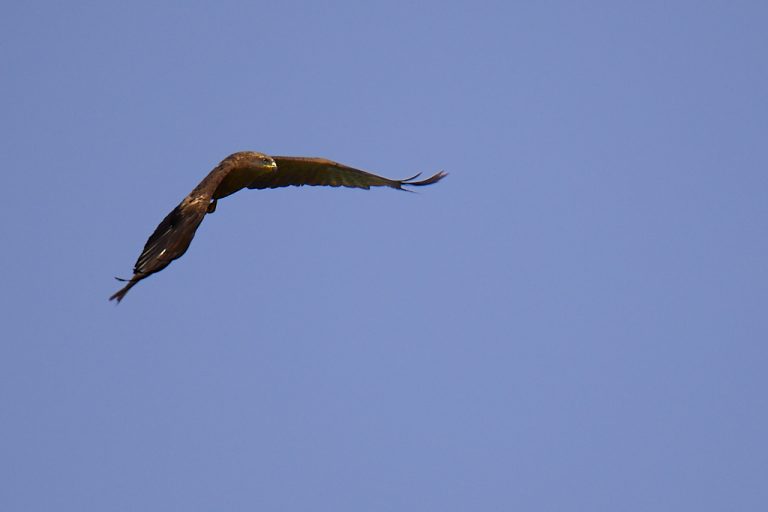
<point>245,169</point>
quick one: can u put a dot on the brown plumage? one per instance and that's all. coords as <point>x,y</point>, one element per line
<point>246,169</point>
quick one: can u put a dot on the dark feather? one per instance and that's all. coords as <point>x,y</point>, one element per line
<point>169,241</point>
<point>298,171</point>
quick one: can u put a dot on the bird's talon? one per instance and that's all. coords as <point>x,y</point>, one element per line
<point>212,206</point>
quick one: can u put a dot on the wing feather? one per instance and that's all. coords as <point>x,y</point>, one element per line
<point>170,239</point>
<point>298,171</point>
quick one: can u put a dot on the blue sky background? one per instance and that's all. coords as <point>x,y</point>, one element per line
<point>574,320</point>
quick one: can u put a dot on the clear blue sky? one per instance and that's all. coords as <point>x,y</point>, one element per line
<point>576,319</point>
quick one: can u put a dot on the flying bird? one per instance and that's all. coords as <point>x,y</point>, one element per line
<point>245,169</point>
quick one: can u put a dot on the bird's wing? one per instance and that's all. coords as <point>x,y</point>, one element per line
<point>298,171</point>
<point>171,238</point>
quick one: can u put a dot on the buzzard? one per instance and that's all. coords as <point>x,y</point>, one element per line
<point>245,169</point>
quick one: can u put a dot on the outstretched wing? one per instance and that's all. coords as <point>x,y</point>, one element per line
<point>298,171</point>
<point>170,239</point>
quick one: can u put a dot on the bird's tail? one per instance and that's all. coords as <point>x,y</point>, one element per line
<point>122,291</point>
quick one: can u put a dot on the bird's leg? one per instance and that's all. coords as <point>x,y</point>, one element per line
<point>212,206</point>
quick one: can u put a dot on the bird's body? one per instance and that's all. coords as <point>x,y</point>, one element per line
<point>245,169</point>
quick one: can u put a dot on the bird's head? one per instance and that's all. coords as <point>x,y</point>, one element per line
<point>254,160</point>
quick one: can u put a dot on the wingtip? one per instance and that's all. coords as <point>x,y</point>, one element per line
<point>429,181</point>
<point>119,294</point>
<point>408,180</point>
